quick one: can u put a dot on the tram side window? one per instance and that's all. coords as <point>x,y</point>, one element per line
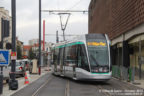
<point>52,57</point>
<point>61,56</point>
<point>56,56</point>
<point>71,55</point>
<point>82,58</point>
<point>66,55</point>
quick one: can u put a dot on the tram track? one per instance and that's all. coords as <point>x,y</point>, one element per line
<point>67,89</point>
<point>44,84</point>
<point>61,86</point>
<point>49,83</point>
<point>100,89</point>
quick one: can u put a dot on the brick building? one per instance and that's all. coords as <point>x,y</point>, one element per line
<point>123,21</point>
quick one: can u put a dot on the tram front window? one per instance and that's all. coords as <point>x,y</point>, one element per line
<point>98,56</point>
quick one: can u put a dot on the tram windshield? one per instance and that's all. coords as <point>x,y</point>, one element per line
<point>98,53</point>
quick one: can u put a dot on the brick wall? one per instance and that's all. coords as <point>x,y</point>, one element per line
<point>115,17</point>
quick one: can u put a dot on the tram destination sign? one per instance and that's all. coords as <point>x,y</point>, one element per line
<point>4,57</point>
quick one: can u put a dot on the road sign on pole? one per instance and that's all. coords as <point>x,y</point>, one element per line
<point>4,57</point>
<point>13,56</point>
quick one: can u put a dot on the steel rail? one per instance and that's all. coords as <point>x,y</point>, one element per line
<point>36,92</point>
<point>67,89</point>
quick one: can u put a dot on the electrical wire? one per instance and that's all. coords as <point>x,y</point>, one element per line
<point>60,35</point>
<point>58,5</point>
<point>75,5</point>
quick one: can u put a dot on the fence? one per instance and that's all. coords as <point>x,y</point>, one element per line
<point>123,73</point>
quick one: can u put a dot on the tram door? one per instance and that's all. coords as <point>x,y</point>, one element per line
<point>73,60</point>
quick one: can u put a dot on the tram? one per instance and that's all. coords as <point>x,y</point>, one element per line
<point>86,57</point>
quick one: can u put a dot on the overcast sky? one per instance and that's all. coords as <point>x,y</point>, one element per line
<point>27,18</point>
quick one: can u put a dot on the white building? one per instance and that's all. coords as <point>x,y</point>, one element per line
<point>33,41</point>
<point>5,17</point>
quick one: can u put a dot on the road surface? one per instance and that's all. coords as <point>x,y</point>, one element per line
<point>49,85</point>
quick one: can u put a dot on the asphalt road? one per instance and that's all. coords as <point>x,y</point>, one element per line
<point>49,85</point>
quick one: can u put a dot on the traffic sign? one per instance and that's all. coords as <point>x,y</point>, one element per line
<point>4,57</point>
<point>13,56</point>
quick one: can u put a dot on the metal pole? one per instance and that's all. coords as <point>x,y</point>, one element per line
<point>57,38</point>
<point>62,27</point>
<point>13,36</point>
<point>43,35</point>
<point>63,34</point>
<point>1,80</point>
<point>140,50</point>
<point>39,37</point>
<point>13,84</point>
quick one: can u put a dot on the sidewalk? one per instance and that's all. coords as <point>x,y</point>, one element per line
<point>139,83</point>
<point>33,77</point>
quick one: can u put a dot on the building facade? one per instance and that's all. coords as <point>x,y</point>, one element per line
<point>5,27</point>
<point>26,49</point>
<point>33,41</point>
<point>123,21</point>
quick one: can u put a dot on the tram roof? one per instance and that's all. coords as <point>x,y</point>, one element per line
<point>81,38</point>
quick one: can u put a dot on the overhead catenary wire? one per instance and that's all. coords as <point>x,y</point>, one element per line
<point>63,26</point>
<point>75,5</point>
<point>61,35</point>
<point>65,12</point>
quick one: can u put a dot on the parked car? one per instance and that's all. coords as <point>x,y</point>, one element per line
<point>20,70</point>
<point>26,63</point>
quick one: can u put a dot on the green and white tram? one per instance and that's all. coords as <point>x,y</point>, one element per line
<point>86,57</point>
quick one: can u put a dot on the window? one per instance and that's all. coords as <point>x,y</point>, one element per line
<point>98,52</point>
<point>82,57</point>
<point>71,55</point>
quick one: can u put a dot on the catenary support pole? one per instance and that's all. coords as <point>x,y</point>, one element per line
<point>140,50</point>
<point>43,35</point>
<point>13,84</point>
<point>39,37</point>
<point>57,38</point>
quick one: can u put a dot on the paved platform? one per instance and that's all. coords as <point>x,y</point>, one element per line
<point>31,88</point>
<point>33,77</point>
<point>139,83</point>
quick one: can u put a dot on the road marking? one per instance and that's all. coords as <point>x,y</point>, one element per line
<point>67,91</point>
<point>35,93</point>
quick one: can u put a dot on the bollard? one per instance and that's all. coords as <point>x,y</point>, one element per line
<point>1,84</point>
<point>13,84</point>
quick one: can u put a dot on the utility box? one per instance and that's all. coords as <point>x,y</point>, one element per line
<point>34,66</point>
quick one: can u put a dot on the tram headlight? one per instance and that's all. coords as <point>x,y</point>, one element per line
<point>100,69</point>
<point>105,69</point>
<point>96,70</point>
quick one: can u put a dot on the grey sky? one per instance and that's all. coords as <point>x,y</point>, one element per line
<point>27,17</point>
